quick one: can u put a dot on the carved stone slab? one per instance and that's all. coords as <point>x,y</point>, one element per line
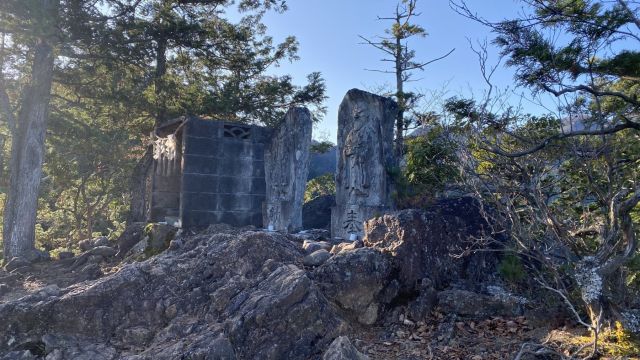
<point>365,156</point>
<point>286,169</point>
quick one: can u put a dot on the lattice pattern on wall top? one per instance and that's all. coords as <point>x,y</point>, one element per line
<point>237,132</point>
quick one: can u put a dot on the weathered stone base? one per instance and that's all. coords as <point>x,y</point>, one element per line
<point>281,215</point>
<point>349,219</point>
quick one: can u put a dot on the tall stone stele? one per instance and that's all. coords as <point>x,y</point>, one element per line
<point>286,168</point>
<point>365,158</point>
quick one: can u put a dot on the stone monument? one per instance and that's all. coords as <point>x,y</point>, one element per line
<point>365,156</point>
<point>286,168</point>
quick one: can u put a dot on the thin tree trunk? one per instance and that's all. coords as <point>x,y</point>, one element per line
<point>161,70</point>
<point>27,153</point>
<point>139,192</point>
<point>401,102</point>
<point>2,174</point>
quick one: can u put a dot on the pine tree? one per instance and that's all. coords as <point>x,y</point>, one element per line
<point>395,44</point>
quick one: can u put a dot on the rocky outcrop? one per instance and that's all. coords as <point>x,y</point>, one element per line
<point>356,280</point>
<point>423,244</point>
<point>213,296</point>
<point>230,293</point>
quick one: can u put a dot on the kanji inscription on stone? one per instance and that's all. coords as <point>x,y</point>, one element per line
<point>351,223</point>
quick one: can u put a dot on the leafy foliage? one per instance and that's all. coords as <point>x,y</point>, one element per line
<point>565,189</point>
<point>321,147</point>
<point>431,164</point>
<point>123,67</point>
<point>511,268</point>
<point>320,186</point>
<point>431,160</point>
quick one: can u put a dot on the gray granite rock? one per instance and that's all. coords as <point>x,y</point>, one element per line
<point>310,246</point>
<point>101,241</point>
<point>218,296</point>
<point>85,244</point>
<point>342,349</point>
<point>316,258</point>
<point>104,251</point>
<point>355,280</point>
<point>338,248</point>
<point>422,243</point>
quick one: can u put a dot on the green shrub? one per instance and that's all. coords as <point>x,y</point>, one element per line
<point>321,147</point>
<point>320,186</point>
<point>431,160</point>
<point>431,164</point>
<point>511,269</point>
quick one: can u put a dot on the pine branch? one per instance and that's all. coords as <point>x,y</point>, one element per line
<point>548,141</point>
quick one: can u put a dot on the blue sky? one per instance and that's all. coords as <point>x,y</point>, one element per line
<point>328,34</point>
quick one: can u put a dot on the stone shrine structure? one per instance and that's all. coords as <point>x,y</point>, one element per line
<point>365,156</point>
<point>209,172</point>
<point>287,165</point>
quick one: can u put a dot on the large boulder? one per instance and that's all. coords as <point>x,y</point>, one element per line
<point>131,235</point>
<point>357,280</point>
<point>218,296</point>
<point>424,243</point>
<point>316,258</point>
<point>160,235</point>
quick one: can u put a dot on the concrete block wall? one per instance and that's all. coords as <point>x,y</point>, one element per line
<point>223,178</point>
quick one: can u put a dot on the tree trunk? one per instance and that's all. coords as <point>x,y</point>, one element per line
<point>139,192</point>
<point>161,70</point>
<point>399,148</point>
<point>2,174</point>
<point>27,153</point>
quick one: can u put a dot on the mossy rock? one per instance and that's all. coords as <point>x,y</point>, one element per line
<point>159,237</point>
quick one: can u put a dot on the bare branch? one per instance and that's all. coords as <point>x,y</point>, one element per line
<point>567,302</point>
<point>606,131</point>
<point>376,45</point>
<point>380,71</point>
<point>420,66</point>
